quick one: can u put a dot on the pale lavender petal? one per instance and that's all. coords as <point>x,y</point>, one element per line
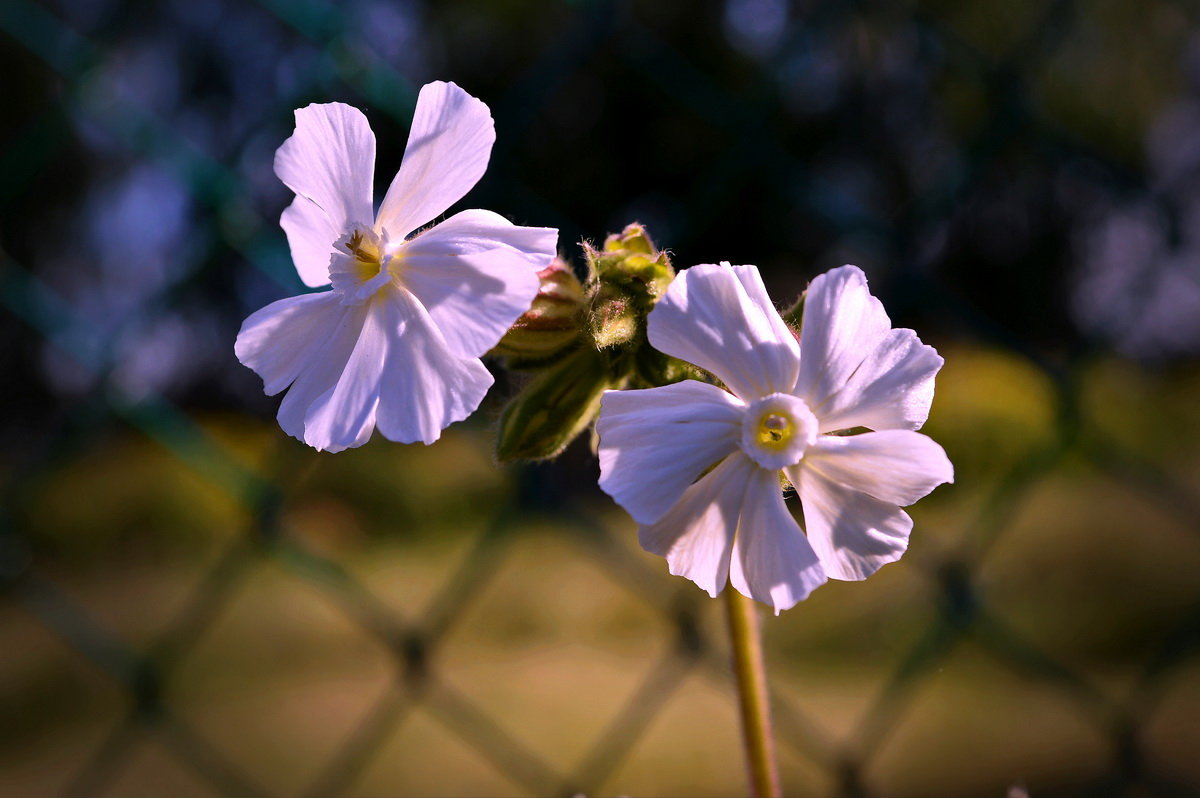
<point>476,273</point>
<point>324,363</point>
<point>896,466</point>
<point>772,561</point>
<point>655,442</point>
<point>448,149</point>
<point>425,386</point>
<point>842,326</point>
<point>720,318</point>
<point>344,416</point>
<point>311,235</point>
<point>696,535</point>
<point>892,389</point>
<point>853,533</point>
<point>330,160</point>
<point>279,341</point>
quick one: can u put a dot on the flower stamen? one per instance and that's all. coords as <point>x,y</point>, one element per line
<point>367,252</point>
<point>366,266</point>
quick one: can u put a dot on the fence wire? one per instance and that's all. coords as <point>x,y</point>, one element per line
<point>336,54</point>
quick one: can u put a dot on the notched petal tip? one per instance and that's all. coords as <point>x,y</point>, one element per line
<point>449,146</point>
<point>719,317</point>
<point>895,466</point>
<point>772,561</point>
<point>330,160</point>
<point>696,534</point>
<point>843,323</point>
<point>853,533</point>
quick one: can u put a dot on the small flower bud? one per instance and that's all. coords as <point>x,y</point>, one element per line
<point>614,320</point>
<point>633,238</point>
<point>630,261</point>
<point>628,275</point>
<point>552,323</point>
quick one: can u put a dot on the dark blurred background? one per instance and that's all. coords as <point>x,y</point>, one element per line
<point>193,604</point>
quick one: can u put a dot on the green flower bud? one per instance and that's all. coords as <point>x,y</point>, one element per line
<point>551,324</point>
<point>633,238</point>
<point>627,276</point>
<point>630,262</point>
<point>554,408</point>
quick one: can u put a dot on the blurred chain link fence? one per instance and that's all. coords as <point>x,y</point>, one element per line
<point>826,129</point>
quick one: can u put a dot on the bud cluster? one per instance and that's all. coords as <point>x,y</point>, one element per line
<point>580,340</point>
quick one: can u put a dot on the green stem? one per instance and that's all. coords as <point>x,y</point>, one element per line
<point>752,694</point>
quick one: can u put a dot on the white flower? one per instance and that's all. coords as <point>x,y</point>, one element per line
<point>396,343</point>
<point>788,406</point>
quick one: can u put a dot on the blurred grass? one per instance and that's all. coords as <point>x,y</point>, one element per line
<point>1088,571</point>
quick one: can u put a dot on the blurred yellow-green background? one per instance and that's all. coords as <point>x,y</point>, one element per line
<point>192,603</point>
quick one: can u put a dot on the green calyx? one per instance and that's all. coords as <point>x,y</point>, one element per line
<point>553,408</point>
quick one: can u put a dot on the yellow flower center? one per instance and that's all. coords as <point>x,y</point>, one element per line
<point>775,431</point>
<point>366,268</point>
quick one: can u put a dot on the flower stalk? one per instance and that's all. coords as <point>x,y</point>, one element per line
<point>758,735</point>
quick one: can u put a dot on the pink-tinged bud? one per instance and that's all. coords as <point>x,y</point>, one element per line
<point>552,323</point>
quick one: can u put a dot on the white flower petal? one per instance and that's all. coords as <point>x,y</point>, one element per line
<point>842,325</point>
<point>721,319</point>
<point>896,466</point>
<point>330,160</point>
<point>279,341</point>
<point>324,361</point>
<point>854,534</point>
<point>655,442</point>
<point>380,363</point>
<point>344,416</point>
<point>696,535</point>
<point>476,273</point>
<point>425,387</point>
<point>311,235</point>
<point>772,561</point>
<point>448,149</point>
<point>892,389</point>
